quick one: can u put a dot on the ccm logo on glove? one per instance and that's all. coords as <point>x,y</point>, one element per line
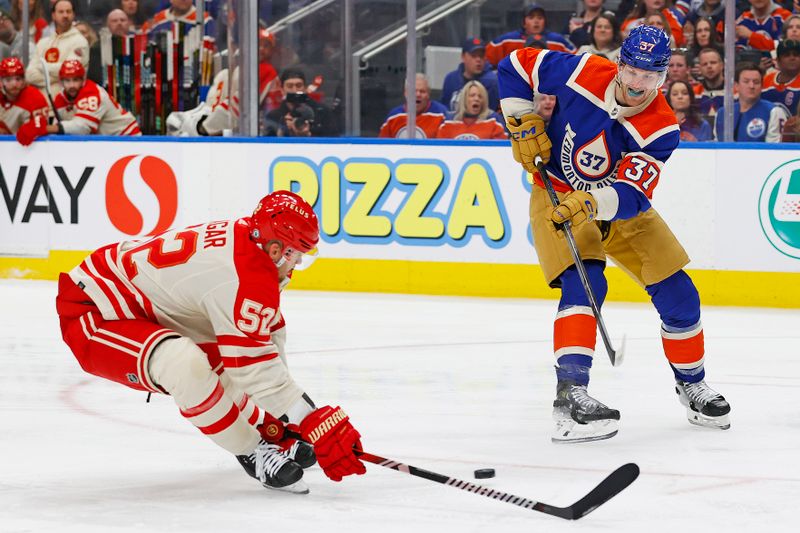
<point>518,135</point>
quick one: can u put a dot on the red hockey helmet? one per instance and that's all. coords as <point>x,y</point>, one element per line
<point>286,217</point>
<point>11,66</point>
<point>71,68</point>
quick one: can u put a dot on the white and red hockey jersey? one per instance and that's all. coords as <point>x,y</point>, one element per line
<point>209,282</point>
<point>94,111</point>
<point>14,114</point>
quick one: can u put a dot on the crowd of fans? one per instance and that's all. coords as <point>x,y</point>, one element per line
<point>766,88</point>
<point>767,59</point>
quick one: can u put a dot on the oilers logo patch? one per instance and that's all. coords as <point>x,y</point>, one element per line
<point>593,159</point>
<point>588,167</point>
<point>756,128</point>
<point>467,137</point>
<point>420,133</point>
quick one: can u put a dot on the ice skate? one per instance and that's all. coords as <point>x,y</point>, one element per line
<point>704,406</point>
<point>581,418</point>
<point>270,465</point>
<point>302,453</point>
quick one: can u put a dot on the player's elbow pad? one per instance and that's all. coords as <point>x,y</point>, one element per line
<point>631,201</point>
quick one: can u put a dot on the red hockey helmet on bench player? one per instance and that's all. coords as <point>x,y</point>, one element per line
<point>284,216</point>
<point>71,68</point>
<point>11,66</point>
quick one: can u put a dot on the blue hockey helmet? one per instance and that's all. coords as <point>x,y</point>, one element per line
<point>647,48</point>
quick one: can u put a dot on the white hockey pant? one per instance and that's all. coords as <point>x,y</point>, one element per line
<point>181,368</point>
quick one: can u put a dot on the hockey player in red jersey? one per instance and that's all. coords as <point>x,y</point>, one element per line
<point>19,102</point>
<point>84,107</point>
<point>612,132</point>
<point>195,313</point>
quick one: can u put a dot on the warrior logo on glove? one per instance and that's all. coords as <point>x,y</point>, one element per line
<point>330,422</point>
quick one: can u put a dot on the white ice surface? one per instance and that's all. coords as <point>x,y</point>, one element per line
<point>446,384</point>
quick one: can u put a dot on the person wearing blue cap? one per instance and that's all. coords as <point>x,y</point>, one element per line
<point>473,67</point>
<point>534,24</point>
<point>611,133</point>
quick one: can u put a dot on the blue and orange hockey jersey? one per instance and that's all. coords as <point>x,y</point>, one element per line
<point>787,94</point>
<point>766,31</point>
<point>597,143</point>
<point>427,122</point>
<point>472,130</point>
<point>501,46</point>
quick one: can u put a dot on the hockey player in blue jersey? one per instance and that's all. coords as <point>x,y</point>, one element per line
<point>610,134</point>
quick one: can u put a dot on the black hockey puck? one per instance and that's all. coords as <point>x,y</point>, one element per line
<point>484,473</point>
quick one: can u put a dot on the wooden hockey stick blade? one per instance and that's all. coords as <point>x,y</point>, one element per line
<point>612,485</point>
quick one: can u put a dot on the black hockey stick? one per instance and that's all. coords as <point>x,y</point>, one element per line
<point>615,356</point>
<point>612,485</point>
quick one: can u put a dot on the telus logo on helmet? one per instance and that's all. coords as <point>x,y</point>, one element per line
<point>158,176</point>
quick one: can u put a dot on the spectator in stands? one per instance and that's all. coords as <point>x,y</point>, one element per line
<point>473,118</point>
<point>179,11</point>
<point>67,43</point>
<point>473,67</point>
<point>136,14</point>
<point>578,28</point>
<point>9,35</point>
<point>754,119</point>
<point>19,102</point>
<point>791,28</point>
<point>84,107</point>
<point>708,9</point>
<point>118,23</point>
<point>782,86</point>
<point>605,36</point>
<point>675,18</point>
<point>705,36</point>
<point>35,18</point>
<point>659,21</point>
<point>534,24</point>
<point>544,105</point>
<point>299,115</point>
<point>429,115</point>
<point>680,98</point>
<point>95,70</point>
<point>269,85</point>
<point>713,82</point>
<point>760,26</point>
<point>678,70</point>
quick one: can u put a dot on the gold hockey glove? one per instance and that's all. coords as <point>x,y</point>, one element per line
<point>578,206</point>
<point>529,139</point>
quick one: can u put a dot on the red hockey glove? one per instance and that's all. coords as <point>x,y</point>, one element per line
<point>333,436</point>
<point>32,130</point>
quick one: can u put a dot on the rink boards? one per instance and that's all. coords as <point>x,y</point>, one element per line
<point>433,217</point>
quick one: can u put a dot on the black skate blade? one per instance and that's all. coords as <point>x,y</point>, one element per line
<point>615,483</point>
